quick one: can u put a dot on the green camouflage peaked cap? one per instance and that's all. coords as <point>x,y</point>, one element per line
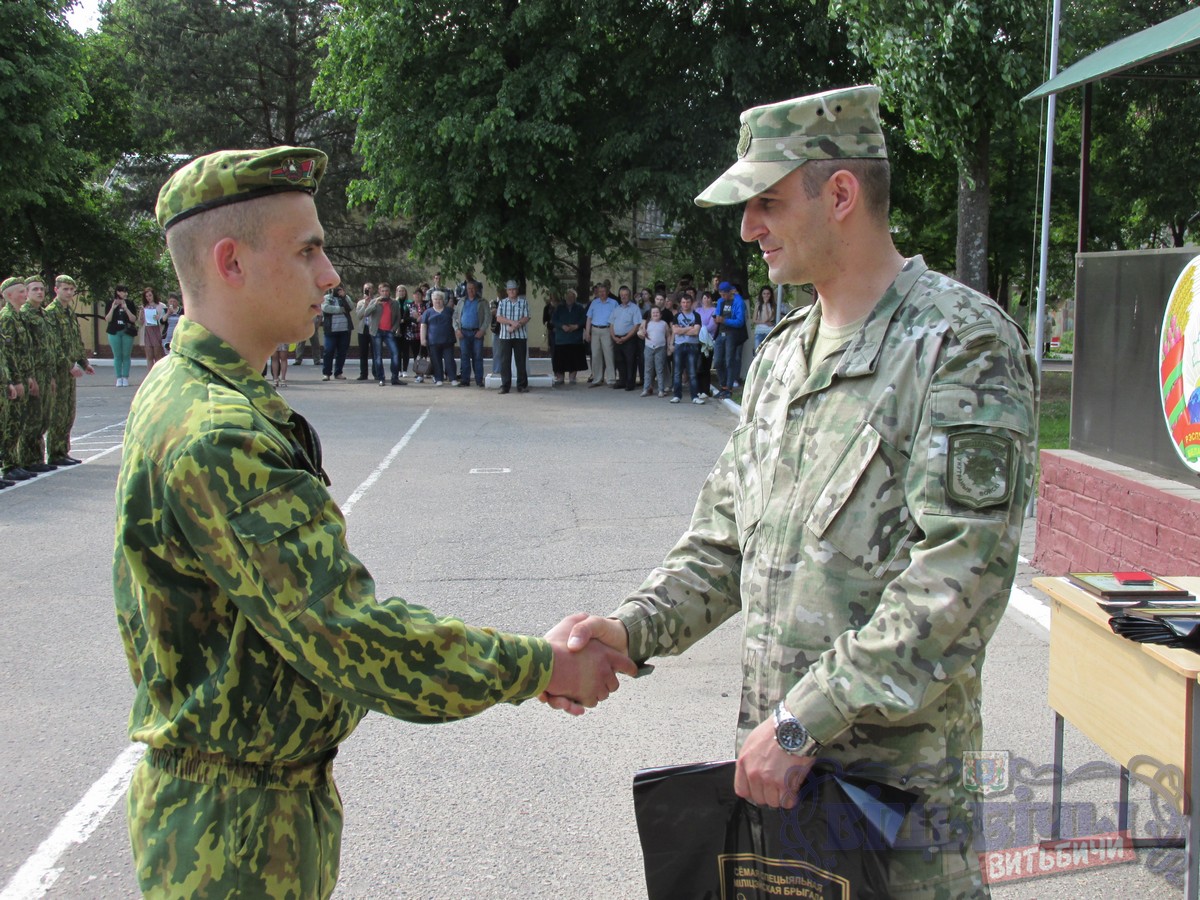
<point>780,137</point>
<point>231,176</point>
<point>10,282</point>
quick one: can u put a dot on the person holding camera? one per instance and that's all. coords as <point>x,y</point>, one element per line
<point>122,329</point>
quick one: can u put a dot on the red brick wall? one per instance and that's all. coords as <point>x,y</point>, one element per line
<point>1098,516</point>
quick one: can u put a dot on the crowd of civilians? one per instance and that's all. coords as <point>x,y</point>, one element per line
<point>658,340</point>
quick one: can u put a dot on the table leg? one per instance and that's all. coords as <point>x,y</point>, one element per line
<point>1191,878</point>
<point>1057,784</point>
<point>1123,801</point>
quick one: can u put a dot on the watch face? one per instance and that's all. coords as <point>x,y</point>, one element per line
<point>791,735</point>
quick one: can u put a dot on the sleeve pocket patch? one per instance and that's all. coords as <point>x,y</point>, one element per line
<point>979,469</point>
<point>292,545</point>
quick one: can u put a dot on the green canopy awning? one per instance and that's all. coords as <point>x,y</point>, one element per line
<point>1161,40</point>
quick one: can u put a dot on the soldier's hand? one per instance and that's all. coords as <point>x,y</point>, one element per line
<point>584,675</point>
<point>579,630</point>
<point>34,390</point>
<point>76,372</point>
<point>14,391</point>
<point>767,775</point>
<point>89,370</point>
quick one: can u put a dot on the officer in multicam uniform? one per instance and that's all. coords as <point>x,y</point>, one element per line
<point>46,346</point>
<point>866,512</point>
<point>254,636</point>
<point>23,383</point>
<point>72,364</point>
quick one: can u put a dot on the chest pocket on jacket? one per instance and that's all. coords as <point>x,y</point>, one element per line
<point>750,483</point>
<point>291,544</point>
<point>861,509</point>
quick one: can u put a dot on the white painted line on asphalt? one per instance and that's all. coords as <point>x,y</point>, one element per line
<point>40,871</point>
<point>41,479</point>
<point>1028,605</point>
<point>382,467</point>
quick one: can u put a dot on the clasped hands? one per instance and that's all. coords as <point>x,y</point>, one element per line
<point>589,653</point>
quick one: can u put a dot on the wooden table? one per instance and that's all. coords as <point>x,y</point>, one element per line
<point>1139,703</point>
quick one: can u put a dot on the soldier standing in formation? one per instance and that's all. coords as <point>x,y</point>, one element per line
<point>22,383</point>
<point>41,353</point>
<point>44,344</point>
<point>72,363</point>
<point>866,513</point>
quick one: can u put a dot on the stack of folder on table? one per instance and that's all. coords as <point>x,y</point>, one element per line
<point>1145,608</point>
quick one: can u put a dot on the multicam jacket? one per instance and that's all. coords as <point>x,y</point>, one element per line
<point>250,628</point>
<point>866,515</point>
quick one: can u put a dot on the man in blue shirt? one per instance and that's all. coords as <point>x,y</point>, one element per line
<point>623,326</point>
<point>727,350</point>
<point>599,335</point>
<point>471,322</point>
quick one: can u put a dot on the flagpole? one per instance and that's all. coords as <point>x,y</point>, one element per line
<point>1043,263</point>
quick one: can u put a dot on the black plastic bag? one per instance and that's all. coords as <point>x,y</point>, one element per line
<point>700,841</point>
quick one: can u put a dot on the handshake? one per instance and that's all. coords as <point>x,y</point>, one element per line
<point>589,652</point>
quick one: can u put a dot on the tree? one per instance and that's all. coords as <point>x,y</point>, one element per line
<point>212,74</point>
<point>60,139</point>
<point>955,70</point>
<point>526,135</point>
<point>1146,122</point>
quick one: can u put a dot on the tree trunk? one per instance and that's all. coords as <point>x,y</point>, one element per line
<point>583,277</point>
<point>974,197</point>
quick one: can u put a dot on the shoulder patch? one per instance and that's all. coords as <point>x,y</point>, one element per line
<point>979,469</point>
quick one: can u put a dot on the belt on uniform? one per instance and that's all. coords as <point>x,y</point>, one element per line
<point>599,326</point>
<point>209,768</point>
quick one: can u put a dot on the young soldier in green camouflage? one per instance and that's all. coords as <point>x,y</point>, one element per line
<point>867,511</point>
<point>43,338</point>
<point>8,395</point>
<point>72,364</point>
<point>254,636</point>
<point>23,383</point>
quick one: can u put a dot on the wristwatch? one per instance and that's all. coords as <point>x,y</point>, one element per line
<point>791,735</point>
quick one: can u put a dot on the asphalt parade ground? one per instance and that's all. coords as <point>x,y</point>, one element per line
<point>509,511</point>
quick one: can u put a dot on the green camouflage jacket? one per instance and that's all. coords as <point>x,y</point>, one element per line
<point>866,515</point>
<point>250,628</point>
<point>16,339</point>
<point>71,349</point>
<point>44,341</point>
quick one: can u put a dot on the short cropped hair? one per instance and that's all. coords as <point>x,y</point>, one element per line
<point>190,240</point>
<point>874,175</point>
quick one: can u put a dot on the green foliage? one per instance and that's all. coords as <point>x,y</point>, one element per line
<point>212,74</point>
<point>524,134</point>
<point>1054,413</point>
<point>41,92</point>
<point>60,140</point>
<point>955,70</point>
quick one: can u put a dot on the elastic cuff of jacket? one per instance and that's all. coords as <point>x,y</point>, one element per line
<point>643,641</point>
<point>540,670</point>
<point>815,711</point>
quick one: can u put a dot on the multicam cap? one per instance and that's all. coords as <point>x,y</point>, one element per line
<point>780,137</point>
<point>231,176</point>
<point>10,282</point>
